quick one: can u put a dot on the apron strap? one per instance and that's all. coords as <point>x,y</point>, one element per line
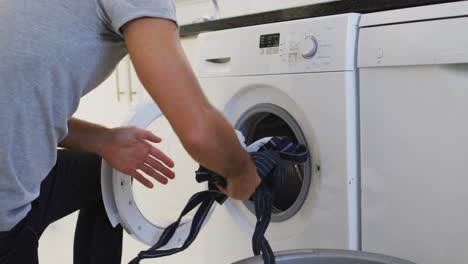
<point>268,161</point>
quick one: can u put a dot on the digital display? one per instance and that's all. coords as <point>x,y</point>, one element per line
<point>270,40</point>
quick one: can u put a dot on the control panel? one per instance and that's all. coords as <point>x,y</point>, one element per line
<point>309,48</point>
<point>305,47</point>
<point>308,45</point>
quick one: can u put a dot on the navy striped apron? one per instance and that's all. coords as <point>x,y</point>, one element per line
<point>268,160</point>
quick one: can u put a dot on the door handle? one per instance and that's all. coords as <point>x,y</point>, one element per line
<point>117,84</point>
<point>131,92</point>
<point>219,60</point>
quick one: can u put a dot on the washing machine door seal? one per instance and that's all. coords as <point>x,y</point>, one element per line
<point>118,198</point>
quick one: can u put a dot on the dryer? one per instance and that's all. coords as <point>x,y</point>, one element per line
<point>295,79</point>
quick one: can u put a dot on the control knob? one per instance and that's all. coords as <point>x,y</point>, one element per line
<point>308,47</point>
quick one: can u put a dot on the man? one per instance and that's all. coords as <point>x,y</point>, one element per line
<point>52,52</point>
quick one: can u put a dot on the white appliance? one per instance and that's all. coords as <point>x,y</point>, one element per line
<point>413,68</point>
<point>297,79</point>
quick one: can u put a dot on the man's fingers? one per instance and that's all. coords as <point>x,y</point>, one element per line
<point>156,175</point>
<point>158,166</point>
<point>137,176</point>
<point>152,137</point>
<point>225,191</point>
<point>159,155</point>
<point>147,135</point>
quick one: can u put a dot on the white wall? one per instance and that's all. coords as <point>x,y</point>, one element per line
<point>190,10</point>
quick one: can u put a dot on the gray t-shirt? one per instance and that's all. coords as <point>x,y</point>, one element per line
<point>52,52</point>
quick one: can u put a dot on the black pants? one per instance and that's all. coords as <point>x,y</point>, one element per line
<point>73,184</point>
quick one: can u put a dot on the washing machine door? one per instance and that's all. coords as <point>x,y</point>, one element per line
<point>144,213</point>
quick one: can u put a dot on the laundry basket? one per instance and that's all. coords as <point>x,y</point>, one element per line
<point>327,256</point>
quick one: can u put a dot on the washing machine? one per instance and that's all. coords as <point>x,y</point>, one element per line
<point>413,67</point>
<point>295,79</point>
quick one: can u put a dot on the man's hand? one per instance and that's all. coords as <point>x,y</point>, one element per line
<point>242,187</point>
<point>128,150</point>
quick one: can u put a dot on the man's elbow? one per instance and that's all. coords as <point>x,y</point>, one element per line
<point>202,132</point>
<point>197,140</point>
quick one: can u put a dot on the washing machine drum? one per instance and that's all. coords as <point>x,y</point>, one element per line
<point>119,198</point>
<point>268,120</point>
<point>286,188</point>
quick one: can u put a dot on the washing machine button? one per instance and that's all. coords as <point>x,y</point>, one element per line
<point>308,47</point>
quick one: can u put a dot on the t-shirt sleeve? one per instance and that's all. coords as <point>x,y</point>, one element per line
<point>119,12</point>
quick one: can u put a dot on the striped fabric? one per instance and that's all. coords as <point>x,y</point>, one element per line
<point>269,163</point>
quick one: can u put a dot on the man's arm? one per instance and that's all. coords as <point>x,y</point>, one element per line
<point>125,148</point>
<point>162,67</point>
<point>84,136</point>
